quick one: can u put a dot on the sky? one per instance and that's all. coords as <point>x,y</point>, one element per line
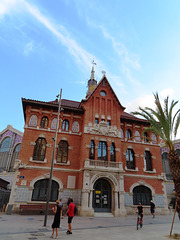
<point>48,45</point>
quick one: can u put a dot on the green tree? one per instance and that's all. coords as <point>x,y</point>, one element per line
<point>165,124</point>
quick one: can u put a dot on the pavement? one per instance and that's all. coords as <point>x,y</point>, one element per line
<point>31,227</point>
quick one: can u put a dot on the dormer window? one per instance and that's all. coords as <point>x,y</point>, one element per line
<point>103,93</point>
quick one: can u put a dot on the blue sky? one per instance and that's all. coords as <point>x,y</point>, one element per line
<point>48,45</point>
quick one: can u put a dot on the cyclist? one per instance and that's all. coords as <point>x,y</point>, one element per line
<point>140,211</point>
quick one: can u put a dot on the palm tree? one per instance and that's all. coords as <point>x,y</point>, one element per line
<point>163,123</point>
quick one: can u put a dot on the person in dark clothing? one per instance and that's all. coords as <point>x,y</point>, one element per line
<point>140,211</point>
<point>152,208</point>
<point>57,210</point>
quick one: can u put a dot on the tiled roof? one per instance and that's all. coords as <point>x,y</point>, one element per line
<point>67,103</point>
<point>128,116</point>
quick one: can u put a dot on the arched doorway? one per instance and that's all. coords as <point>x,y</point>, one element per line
<point>102,196</point>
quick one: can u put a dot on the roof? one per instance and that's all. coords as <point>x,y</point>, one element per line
<point>73,106</point>
<point>127,116</point>
<point>10,127</point>
<point>65,104</point>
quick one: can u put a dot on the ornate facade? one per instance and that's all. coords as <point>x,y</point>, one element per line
<point>103,160</point>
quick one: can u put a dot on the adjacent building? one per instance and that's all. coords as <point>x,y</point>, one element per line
<point>10,144</point>
<point>169,184</point>
<point>102,159</point>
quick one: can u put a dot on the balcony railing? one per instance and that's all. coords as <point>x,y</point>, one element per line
<point>103,164</point>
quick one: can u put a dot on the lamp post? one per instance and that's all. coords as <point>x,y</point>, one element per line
<point>52,162</point>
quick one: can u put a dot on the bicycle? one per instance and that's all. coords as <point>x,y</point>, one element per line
<point>139,221</point>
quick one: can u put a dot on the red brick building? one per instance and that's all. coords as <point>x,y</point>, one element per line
<point>102,159</point>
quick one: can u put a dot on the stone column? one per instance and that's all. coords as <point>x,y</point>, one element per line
<point>116,207</point>
<point>121,197</point>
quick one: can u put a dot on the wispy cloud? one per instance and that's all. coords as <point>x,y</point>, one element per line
<point>128,60</point>
<point>28,48</point>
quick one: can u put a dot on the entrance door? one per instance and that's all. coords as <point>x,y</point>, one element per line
<point>102,196</point>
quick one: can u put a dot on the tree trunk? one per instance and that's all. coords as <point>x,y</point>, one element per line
<point>174,164</point>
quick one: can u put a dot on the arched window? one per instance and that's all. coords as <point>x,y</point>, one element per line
<point>15,155</point>
<point>130,160</point>
<point>141,194</point>
<point>147,161</point>
<point>39,149</point>
<point>128,134</point>
<point>62,153</point>
<point>145,137</point>
<point>112,158</point>
<point>137,136</point>
<point>4,152</point>
<point>44,122</point>
<point>41,189</point>
<point>102,151</point>
<point>92,150</point>
<point>166,168</point>
<point>65,125</point>
<point>5,145</point>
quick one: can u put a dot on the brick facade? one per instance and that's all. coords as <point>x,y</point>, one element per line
<point>99,119</point>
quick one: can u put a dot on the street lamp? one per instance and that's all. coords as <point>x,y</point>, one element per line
<point>52,163</point>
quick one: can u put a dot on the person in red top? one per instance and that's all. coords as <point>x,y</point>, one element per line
<point>70,213</point>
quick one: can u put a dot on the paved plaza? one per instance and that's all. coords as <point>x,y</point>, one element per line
<point>30,227</point>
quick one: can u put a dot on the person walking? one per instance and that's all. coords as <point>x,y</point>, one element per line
<point>70,213</point>
<point>57,210</point>
<point>152,208</point>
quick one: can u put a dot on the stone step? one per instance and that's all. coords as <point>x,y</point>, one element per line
<point>103,214</point>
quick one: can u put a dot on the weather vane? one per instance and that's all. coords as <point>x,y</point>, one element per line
<point>93,62</point>
<point>103,72</point>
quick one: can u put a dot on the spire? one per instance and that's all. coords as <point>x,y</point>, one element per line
<point>92,83</point>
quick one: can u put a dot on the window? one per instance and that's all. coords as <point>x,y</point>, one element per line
<point>102,151</point>
<point>41,189</point>
<point>128,134</point>
<point>130,161</point>
<point>44,122</point>
<point>65,125</point>
<point>147,161</point>
<point>5,145</point>
<point>4,153</point>
<point>15,155</point>
<point>141,194</point>
<point>96,120</point>
<point>137,136</point>
<point>103,93</point>
<point>112,158</point>
<point>166,168</point>
<point>62,153</point>
<point>92,150</point>
<point>39,149</point>
<point>145,137</point>
<point>109,122</point>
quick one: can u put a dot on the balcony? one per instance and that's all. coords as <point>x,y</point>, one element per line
<point>103,165</point>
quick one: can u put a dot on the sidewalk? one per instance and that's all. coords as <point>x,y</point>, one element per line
<point>30,227</point>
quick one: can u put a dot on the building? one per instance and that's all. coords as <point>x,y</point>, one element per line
<point>10,144</point>
<point>169,182</point>
<point>101,160</point>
